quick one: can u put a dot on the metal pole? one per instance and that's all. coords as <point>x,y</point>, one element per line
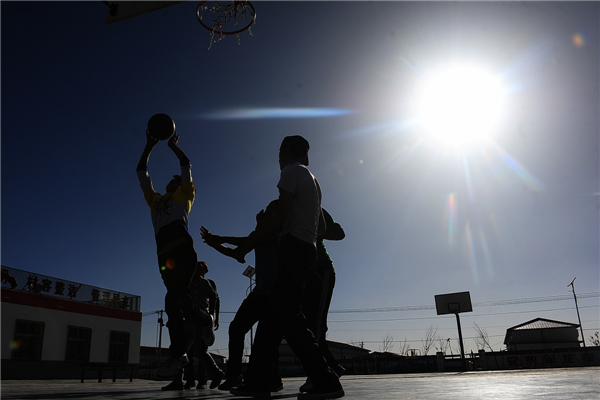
<point>252,327</point>
<point>572,284</point>
<point>160,322</point>
<point>462,348</point>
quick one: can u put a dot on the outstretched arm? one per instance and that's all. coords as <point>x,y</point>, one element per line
<point>216,242</point>
<point>150,143</point>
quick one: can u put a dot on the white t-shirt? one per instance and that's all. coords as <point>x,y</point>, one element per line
<point>303,219</point>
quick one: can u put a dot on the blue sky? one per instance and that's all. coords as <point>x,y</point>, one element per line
<point>512,219</point>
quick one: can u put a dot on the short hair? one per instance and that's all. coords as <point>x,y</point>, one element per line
<point>297,145</point>
<point>177,178</point>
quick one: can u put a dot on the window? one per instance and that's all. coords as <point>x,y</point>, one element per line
<point>78,344</point>
<point>119,347</point>
<point>27,344</point>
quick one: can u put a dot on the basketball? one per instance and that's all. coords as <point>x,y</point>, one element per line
<point>161,126</point>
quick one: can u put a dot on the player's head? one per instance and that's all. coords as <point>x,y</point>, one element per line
<point>268,213</point>
<point>174,184</point>
<point>293,149</point>
<point>202,268</point>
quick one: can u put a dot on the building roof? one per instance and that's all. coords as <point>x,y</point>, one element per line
<point>542,323</point>
<point>44,285</point>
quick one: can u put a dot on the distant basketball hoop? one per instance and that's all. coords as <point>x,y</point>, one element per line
<point>222,19</point>
<point>455,303</point>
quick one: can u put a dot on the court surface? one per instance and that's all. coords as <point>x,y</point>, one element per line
<point>547,384</point>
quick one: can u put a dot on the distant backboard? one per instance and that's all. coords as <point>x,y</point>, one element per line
<point>120,10</point>
<point>453,303</point>
<point>249,271</point>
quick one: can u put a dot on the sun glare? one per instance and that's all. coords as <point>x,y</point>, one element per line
<point>460,106</point>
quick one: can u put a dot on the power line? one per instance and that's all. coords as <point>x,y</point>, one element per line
<point>476,304</point>
<point>430,307</point>
<point>464,315</point>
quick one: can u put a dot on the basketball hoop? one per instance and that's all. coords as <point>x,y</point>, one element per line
<point>225,18</point>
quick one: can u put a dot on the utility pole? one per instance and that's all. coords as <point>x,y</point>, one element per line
<point>572,284</point>
<point>249,272</point>
<point>160,326</point>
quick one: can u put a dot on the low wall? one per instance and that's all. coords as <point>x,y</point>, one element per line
<point>35,370</point>
<point>506,360</point>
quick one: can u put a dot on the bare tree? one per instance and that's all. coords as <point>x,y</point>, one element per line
<point>430,338</point>
<point>357,343</point>
<point>388,344</point>
<point>442,345</point>
<point>403,346</point>
<point>456,348</point>
<point>595,339</point>
<point>482,339</point>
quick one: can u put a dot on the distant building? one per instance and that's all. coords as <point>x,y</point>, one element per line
<point>541,334</point>
<point>51,326</point>
<point>345,354</point>
<point>341,351</point>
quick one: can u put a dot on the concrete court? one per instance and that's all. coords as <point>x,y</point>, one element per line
<point>547,384</point>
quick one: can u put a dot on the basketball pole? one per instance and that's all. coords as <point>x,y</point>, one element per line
<point>462,347</point>
<point>572,284</point>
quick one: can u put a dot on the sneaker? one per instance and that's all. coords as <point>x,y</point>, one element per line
<point>276,386</point>
<point>175,385</point>
<point>189,384</point>
<point>307,385</point>
<point>231,383</point>
<point>217,380</point>
<point>250,391</point>
<point>339,370</point>
<point>322,393</point>
<point>171,366</point>
<point>208,334</point>
<point>201,385</point>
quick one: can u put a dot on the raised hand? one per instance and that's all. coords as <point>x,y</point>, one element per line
<point>150,140</point>
<point>209,238</point>
<point>173,140</point>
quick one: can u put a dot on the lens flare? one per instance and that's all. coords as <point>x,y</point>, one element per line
<point>169,264</point>
<point>578,40</point>
<point>451,218</point>
<point>265,113</point>
<point>470,248</point>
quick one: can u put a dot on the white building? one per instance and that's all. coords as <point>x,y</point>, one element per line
<point>51,326</point>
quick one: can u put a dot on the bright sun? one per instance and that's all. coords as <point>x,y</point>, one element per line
<point>460,106</point>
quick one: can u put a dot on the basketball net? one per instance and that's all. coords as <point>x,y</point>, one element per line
<point>222,19</point>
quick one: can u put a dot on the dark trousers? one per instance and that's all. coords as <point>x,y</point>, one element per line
<point>246,316</point>
<point>206,364</point>
<point>177,267</point>
<point>284,317</point>
<point>315,306</point>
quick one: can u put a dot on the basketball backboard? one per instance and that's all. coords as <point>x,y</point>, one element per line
<point>249,271</point>
<point>453,303</point>
<point>120,10</point>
